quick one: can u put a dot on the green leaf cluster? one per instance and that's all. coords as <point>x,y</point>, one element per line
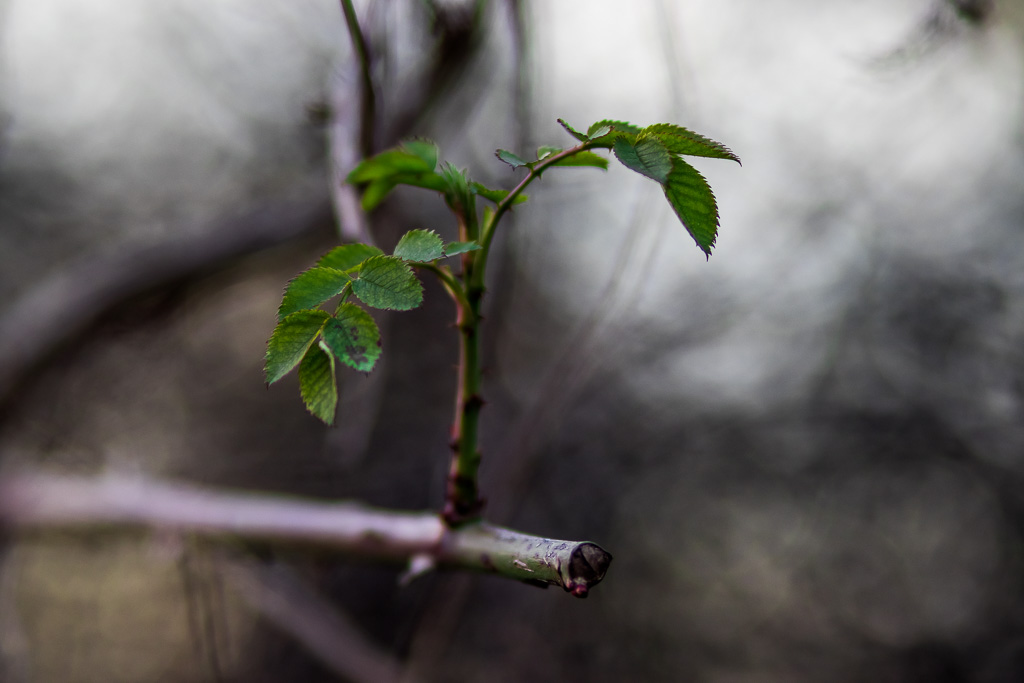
<point>360,276</point>
<point>656,152</point>
<point>316,340</point>
<point>414,163</point>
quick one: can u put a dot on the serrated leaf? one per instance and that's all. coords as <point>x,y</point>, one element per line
<point>421,246</point>
<point>509,158</point>
<point>387,282</point>
<point>456,248</point>
<point>572,131</point>
<point>546,150</point>
<point>290,340</point>
<point>353,337</point>
<point>317,383</point>
<point>606,131</point>
<point>311,288</point>
<point>620,126</point>
<point>583,159</point>
<point>387,164</point>
<point>457,193</point>
<point>496,196</point>
<point>693,201</point>
<point>679,140</point>
<point>347,256</point>
<point>646,156</point>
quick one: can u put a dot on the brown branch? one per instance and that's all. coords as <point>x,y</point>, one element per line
<point>36,501</point>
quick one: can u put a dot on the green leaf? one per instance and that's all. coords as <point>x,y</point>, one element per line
<point>387,282</point>
<point>546,151</point>
<point>692,200</point>
<point>607,131</point>
<point>420,245</point>
<point>430,181</point>
<point>510,158</point>
<point>647,156</point>
<point>424,149</point>
<point>456,248</point>
<point>572,131</point>
<point>290,340</point>
<point>495,196</point>
<point>311,288</point>
<point>612,125</point>
<point>583,159</point>
<point>679,140</point>
<point>378,189</point>
<point>347,256</point>
<point>389,163</point>
<point>457,193</point>
<point>353,337</point>
<point>375,193</point>
<point>317,383</point>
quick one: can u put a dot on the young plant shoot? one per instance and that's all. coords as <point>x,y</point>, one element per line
<point>359,275</point>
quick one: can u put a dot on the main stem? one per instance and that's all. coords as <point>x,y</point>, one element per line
<point>463,503</point>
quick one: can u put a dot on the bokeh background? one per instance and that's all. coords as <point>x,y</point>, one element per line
<point>806,454</point>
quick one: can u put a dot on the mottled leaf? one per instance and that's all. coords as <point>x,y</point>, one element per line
<point>290,340</point>
<point>388,282</point>
<point>317,383</point>
<point>353,337</point>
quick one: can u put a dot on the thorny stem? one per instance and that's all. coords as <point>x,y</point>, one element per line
<point>462,501</point>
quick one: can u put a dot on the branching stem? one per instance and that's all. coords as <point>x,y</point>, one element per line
<point>462,502</point>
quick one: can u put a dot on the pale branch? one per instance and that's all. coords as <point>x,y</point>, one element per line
<point>39,501</point>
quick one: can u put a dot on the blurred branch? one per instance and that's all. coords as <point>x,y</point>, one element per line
<point>460,30</point>
<point>61,307</point>
<point>289,603</point>
<point>35,501</point>
<point>367,96</point>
